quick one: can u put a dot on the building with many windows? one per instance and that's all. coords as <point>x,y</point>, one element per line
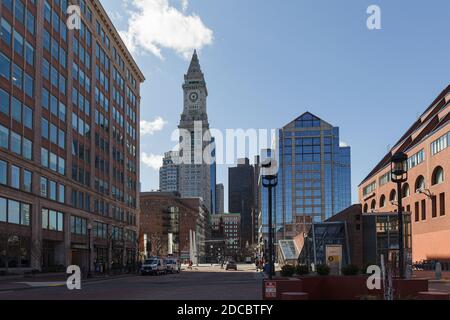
<point>168,173</point>
<point>426,194</point>
<point>69,138</point>
<point>313,178</point>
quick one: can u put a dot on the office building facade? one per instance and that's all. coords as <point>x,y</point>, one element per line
<point>241,197</point>
<point>69,132</point>
<point>426,193</point>
<point>220,198</point>
<point>313,178</point>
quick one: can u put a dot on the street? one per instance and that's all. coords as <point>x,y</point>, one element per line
<point>202,283</point>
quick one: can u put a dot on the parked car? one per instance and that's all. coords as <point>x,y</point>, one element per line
<point>173,265</point>
<point>231,265</point>
<point>153,266</point>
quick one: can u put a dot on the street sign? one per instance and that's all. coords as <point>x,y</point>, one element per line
<point>270,289</point>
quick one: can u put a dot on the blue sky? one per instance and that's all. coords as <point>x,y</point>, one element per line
<point>267,62</point>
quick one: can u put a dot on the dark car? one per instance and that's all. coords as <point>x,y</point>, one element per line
<point>231,265</point>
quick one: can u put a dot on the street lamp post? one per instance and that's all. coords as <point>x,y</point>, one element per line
<point>399,175</point>
<point>270,180</point>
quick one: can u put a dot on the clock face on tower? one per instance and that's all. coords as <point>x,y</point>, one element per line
<point>193,96</point>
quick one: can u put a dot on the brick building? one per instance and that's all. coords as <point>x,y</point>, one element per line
<point>69,138</point>
<point>164,213</point>
<point>426,194</point>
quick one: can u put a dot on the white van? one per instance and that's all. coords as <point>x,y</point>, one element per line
<point>173,265</point>
<point>153,266</point>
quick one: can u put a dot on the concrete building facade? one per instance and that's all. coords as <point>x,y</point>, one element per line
<point>220,198</point>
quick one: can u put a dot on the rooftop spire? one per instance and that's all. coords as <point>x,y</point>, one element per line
<point>194,71</point>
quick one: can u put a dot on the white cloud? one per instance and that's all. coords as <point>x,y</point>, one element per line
<point>150,127</point>
<point>154,25</point>
<point>343,144</point>
<point>184,4</point>
<point>152,161</point>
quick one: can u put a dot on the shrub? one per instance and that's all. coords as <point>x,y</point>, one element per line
<point>323,269</point>
<point>302,269</point>
<point>287,270</point>
<point>350,270</point>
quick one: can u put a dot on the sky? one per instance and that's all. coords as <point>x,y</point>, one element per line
<point>267,62</point>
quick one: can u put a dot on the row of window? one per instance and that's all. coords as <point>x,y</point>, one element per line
<point>52,17</point>
<point>52,220</point>
<point>21,46</point>
<point>51,74</point>
<point>20,79</point>
<point>57,108</point>
<point>52,133</point>
<point>57,52</point>
<point>15,212</point>
<point>80,102</point>
<point>440,144</point>
<point>14,142</point>
<point>21,14</point>
<point>52,161</point>
<point>52,190</point>
<point>19,112</point>
<point>15,177</point>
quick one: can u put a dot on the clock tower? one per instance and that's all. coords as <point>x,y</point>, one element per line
<point>196,176</point>
<point>195,95</point>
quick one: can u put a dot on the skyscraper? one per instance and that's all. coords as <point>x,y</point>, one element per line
<point>194,171</point>
<point>313,178</point>
<point>241,197</point>
<point>69,137</point>
<point>220,198</point>
<point>168,173</point>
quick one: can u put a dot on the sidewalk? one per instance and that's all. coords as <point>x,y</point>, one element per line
<point>14,283</point>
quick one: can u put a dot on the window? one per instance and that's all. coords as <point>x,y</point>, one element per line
<point>44,157</point>
<point>52,190</point>
<point>27,117</point>
<point>420,183</point>
<point>3,209</point>
<point>5,31</point>
<point>27,181</point>
<point>52,220</point>
<point>27,149</point>
<point>405,190</point>
<point>78,225</point>
<point>5,67</point>
<point>13,212</point>
<point>4,102</point>
<point>438,176</point>
<point>424,209</point>
<point>4,137</point>
<point>392,195</point>
<point>43,187</point>
<point>442,204</point>
<point>61,193</point>
<point>416,212</point>
<point>433,206</point>
<point>16,110</point>
<point>16,143</point>
<point>15,177</point>
<point>383,201</point>
<point>3,172</point>
<point>440,144</point>
<point>370,188</point>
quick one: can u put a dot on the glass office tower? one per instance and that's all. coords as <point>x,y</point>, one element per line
<point>313,179</point>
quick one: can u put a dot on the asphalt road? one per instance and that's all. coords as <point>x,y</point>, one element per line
<point>201,284</point>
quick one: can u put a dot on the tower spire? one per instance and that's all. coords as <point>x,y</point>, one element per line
<point>195,71</point>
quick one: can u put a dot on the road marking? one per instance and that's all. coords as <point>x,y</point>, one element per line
<point>43,284</point>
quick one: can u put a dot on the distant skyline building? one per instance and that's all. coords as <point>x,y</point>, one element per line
<point>241,197</point>
<point>220,199</point>
<point>314,178</point>
<point>168,173</point>
<point>195,175</point>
